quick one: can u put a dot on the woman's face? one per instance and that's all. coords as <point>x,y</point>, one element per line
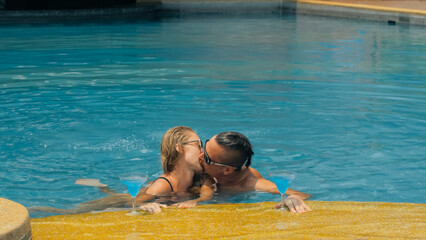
<point>192,150</point>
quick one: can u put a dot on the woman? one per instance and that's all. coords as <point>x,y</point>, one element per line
<point>180,152</point>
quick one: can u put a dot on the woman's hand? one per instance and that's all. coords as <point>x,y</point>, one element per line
<point>152,207</point>
<point>295,204</point>
<point>186,204</point>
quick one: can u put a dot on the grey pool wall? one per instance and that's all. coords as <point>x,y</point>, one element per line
<point>157,8</point>
<point>354,11</point>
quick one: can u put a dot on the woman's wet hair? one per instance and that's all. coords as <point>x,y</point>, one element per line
<point>172,140</point>
<point>239,142</point>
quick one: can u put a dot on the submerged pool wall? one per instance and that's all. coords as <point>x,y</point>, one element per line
<point>220,6</point>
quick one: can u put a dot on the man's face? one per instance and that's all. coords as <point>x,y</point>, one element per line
<point>218,155</point>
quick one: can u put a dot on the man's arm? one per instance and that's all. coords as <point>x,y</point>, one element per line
<point>294,201</point>
<point>302,195</point>
<point>267,186</point>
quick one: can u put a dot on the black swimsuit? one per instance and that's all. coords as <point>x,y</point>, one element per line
<point>171,187</point>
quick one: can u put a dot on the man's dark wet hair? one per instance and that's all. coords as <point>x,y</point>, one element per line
<point>239,142</point>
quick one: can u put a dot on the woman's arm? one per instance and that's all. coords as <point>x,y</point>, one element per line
<point>206,193</point>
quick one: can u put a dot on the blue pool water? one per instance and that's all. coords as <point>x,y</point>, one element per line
<point>342,103</point>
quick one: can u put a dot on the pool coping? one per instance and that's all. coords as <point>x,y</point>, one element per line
<point>358,11</point>
<point>14,221</point>
<point>362,6</point>
<point>157,8</point>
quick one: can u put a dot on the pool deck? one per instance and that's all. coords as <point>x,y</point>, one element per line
<point>327,220</point>
<point>390,11</point>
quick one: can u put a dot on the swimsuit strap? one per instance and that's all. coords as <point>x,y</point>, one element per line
<point>171,187</point>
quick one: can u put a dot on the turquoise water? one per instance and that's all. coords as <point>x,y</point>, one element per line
<point>342,103</point>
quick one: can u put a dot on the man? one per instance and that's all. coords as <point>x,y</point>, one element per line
<point>227,157</point>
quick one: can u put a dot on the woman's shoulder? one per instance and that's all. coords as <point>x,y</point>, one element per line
<point>160,186</point>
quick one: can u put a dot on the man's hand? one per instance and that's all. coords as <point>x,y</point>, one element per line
<point>187,204</point>
<point>152,207</point>
<point>295,204</point>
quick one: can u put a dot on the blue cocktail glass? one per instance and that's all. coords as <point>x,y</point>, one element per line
<point>282,178</point>
<point>134,182</point>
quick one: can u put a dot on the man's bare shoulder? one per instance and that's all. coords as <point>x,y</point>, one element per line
<point>250,179</point>
<point>239,182</point>
<point>255,173</point>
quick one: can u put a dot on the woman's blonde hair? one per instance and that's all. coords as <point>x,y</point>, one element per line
<point>172,140</point>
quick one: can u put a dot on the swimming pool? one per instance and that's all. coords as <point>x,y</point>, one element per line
<point>341,102</point>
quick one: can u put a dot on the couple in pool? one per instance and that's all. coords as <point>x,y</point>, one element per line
<point>191,167</point>
<point>221,163</point>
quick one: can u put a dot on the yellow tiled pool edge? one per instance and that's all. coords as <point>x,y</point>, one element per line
<point>328,220</point>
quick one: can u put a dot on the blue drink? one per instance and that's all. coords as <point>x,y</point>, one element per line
<point>282,183</point>
<point>282,179</point>
<point>133,182</point>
